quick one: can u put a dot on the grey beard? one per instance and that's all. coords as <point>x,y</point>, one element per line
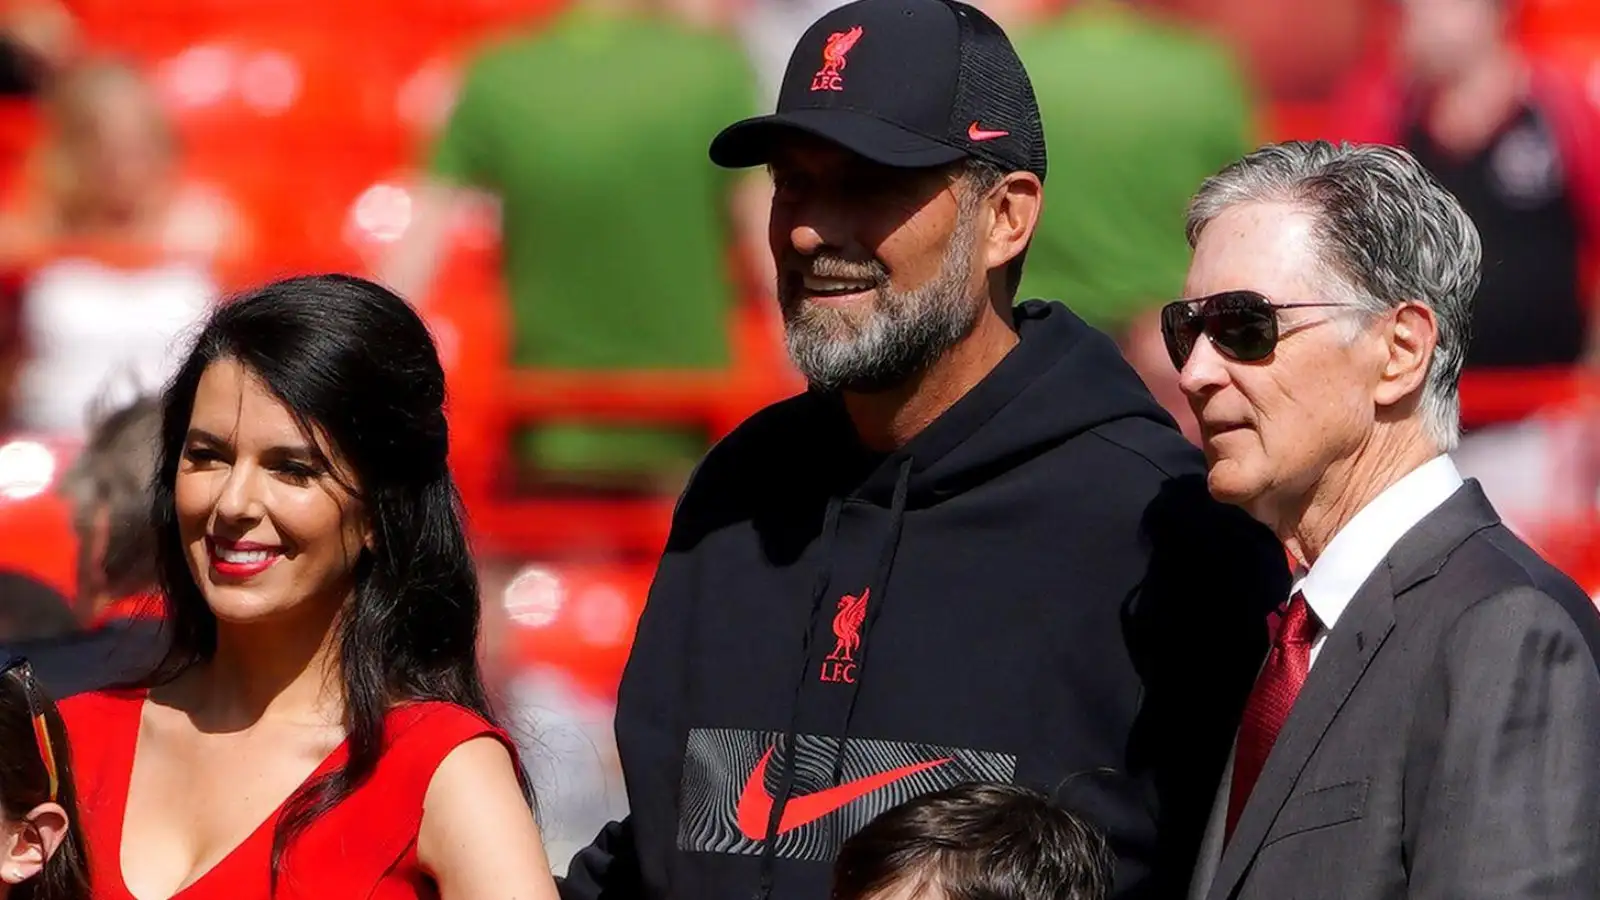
<point>900,336</point>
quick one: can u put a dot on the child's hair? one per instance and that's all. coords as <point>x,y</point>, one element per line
<point>27,780</point>
<point>977,842</point>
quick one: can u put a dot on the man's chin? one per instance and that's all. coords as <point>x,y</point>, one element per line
<point>863,384</point>
<point>1229,483</point>
<point>872,387</point>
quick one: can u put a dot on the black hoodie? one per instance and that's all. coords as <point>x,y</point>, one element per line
<point>1037,588</point>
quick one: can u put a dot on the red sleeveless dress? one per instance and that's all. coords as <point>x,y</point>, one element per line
<point>366,847</point>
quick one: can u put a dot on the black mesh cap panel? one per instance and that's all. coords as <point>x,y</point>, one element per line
<point>993,93</point>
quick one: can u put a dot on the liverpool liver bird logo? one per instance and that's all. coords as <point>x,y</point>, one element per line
<point>847,626</point>
<point>833,60</point>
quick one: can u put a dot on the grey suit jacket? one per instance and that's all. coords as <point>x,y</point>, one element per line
<point>1446,745</point>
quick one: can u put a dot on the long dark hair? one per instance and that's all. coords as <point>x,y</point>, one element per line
<point>25,782</point>
<point>354,360</point>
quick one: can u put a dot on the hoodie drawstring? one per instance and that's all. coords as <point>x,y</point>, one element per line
<point>819,590</point>
<point>880,582</point>
<point>880,578</point>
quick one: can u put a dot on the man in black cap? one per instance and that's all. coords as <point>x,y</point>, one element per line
<point>975,550</point>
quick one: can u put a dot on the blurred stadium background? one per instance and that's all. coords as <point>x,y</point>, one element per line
<point>156,155</point>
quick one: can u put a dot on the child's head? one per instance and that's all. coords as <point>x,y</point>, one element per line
<point>41,852</point>
<point>975,842</point>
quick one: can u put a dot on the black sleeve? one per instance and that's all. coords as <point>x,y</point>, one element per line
<point>607,869</point>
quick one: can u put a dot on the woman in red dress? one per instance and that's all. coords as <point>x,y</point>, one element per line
<point>319,727</point>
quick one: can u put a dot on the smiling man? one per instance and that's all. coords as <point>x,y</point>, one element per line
<point>975,550</point>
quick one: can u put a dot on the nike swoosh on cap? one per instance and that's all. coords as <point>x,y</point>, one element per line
<point>982,134</point>
<point>755,804</point>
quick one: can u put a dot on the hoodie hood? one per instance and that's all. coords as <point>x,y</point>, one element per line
<point>1062,379</point>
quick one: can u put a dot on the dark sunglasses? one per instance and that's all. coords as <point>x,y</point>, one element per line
<point>41,729</point>
<point>1242,325</point>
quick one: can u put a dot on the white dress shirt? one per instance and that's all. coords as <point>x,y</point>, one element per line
<point>1366,540</point>
<point>1349,560</point>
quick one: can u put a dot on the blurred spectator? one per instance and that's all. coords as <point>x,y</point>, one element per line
<point>1294,50</point>
<point>31,610</point>
<point>111,171</point>
<point>37,39</point>
<point>1136,111</point>
<point>617,229</point>
<point>1515,140</point>
<point>113,255</point>
<point>109,490</point>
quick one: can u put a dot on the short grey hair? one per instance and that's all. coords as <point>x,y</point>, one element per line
<point>1387,231</point>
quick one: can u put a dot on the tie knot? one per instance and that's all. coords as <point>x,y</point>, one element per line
<point>1299,624</point>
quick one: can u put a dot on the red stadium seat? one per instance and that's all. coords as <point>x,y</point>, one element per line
<point>290,91</point>
<point>20,129</point>
<point>1544,21</point>
<point>480,17</point>
<point>425,95</point>
<point>579,618</point>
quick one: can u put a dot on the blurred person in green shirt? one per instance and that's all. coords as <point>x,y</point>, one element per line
<point>616,228</point>
<point>1137,110</point>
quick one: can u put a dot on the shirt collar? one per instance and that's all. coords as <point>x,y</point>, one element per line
<point>1366,540</point>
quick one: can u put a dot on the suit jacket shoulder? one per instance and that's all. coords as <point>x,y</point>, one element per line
<point>1488,567</point>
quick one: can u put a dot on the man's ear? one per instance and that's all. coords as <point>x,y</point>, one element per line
<point>1015,204</point>
<point>1411,336</point>
<point>30,842</point>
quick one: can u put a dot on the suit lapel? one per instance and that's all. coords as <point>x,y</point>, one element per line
<point>1342,661</point>
<point>1345,655</point>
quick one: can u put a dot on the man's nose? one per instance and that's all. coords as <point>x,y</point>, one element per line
<point>814,224</point>
<point>806,239</point>
<point>1204,371</point>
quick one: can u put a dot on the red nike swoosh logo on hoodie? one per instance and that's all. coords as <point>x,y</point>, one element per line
<point>755,804</point>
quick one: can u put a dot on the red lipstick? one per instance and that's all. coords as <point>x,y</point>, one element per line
<point>240,559</point>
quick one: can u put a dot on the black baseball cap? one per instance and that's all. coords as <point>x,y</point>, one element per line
<point>904,83</point>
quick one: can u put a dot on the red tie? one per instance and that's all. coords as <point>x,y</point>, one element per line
<point>1270,701</point>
